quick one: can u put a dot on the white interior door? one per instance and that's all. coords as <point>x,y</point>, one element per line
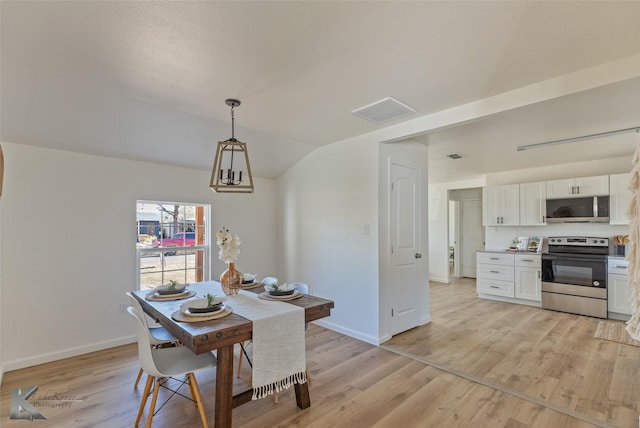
<point>405,247</point>
<point>472,235</point>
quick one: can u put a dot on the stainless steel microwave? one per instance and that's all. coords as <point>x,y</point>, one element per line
<point>592,209</point>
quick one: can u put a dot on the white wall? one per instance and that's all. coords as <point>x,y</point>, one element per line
<point>325,202</point>
<point>329,207</point>
<point>68,245</point>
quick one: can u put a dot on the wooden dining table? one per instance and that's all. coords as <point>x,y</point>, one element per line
<point>221,335</point>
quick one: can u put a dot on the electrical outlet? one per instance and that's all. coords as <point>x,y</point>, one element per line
<point>123,308</point>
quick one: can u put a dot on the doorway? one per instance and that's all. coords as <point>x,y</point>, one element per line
<point>466,232</point>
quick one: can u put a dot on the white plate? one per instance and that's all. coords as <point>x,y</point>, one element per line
<point>171,296</point>
<point>188,313</point>
<point>184,308</point>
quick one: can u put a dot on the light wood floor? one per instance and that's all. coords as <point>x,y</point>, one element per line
<point>478,364</point>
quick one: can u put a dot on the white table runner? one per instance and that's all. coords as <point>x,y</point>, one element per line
<point>279,359</point>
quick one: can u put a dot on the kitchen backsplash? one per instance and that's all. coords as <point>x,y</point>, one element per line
<point>500,238</point>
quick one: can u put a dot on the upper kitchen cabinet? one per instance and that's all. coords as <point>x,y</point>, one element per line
<point>578,187</point>
<point>533,204</point>
<point>501,205</point>
<point>619,198</point>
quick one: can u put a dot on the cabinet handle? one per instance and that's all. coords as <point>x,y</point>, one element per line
<point>527,260</point>
<point>494,271</point>
<point>578,190</point>
<point>495,258</point>
<point>620,267</point>
<point>539,275</point>
<point>494,286</point>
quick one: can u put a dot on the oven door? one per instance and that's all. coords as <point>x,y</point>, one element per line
<point>576,269</point>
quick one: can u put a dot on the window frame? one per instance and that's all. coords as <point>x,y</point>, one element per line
<point>206,247</point>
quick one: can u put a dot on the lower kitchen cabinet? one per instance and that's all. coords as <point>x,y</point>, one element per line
<point>528,278</point>
<point>618,289</point>
<point>495,274</point>
<point>514,278</point>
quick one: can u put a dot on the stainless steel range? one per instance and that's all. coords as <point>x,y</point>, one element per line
<point>574,275</point>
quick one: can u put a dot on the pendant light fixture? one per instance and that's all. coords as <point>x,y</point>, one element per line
<point>231,170</point>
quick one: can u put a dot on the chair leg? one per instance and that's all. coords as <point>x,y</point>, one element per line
<point>135,385</point>
<point>143,401</point>
<point>152,407</point>
<point>239,362</point>
<point>240,355</point>
<point>191,390</point>
<point>196,396</point>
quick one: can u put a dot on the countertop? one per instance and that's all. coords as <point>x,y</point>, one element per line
<point>532,253</point>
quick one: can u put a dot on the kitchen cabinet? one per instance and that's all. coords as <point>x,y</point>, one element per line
<point>495,274</point>
<point>528,276</point>
<point>619,290</point>
<point>619,198</point>
<point>514,276</point>
<point>533,204</point>
<point>501,205</point>
<point>578,187</point>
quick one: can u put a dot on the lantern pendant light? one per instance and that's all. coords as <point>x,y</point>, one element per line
<point>231,169</point>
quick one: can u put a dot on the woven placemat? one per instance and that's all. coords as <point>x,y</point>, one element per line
<point>264,295</point>
<point>179,316</point>
<point>252,285</point>
<point>614,331</point>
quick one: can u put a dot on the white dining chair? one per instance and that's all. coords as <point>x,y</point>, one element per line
<point>162,363</point>
<point>159,335</point>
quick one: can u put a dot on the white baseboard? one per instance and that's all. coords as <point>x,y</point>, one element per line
<point>348,332</point>
<point>425,320</point>
<point>442,280</point>
<point>59,355</point>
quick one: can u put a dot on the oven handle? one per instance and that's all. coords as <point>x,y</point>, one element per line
<point>577,257</point>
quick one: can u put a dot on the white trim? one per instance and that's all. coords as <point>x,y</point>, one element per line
<point>72,352</point>
<point>351,333</point>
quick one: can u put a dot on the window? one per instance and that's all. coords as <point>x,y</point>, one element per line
<point>172,243</point>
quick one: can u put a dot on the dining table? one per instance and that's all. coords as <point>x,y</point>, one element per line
<point>221,335</point>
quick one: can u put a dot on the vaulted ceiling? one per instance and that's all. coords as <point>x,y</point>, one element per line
<point>148,80</point>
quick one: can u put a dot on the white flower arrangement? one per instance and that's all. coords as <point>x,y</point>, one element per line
<point>228,243</point>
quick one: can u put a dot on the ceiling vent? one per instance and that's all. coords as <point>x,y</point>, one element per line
<point>455,156</point>
<point>384,110</point>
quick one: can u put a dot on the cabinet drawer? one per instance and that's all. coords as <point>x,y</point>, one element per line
<point>499,272</point>
<point>494,258</point>
<point>497,288</point>
<point>618,266</point>
<point>528,260</point>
